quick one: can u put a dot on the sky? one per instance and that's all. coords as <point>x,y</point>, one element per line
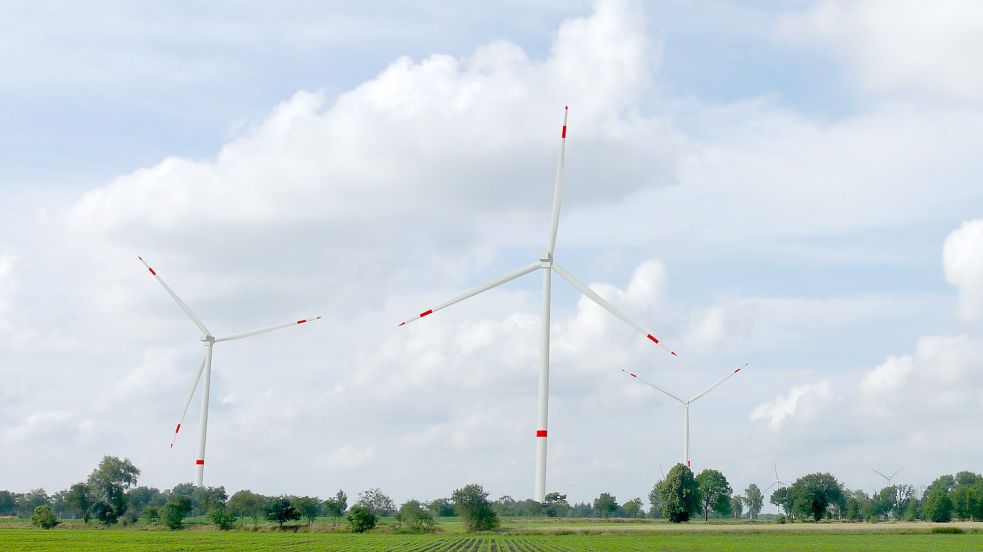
<point>792,185</point>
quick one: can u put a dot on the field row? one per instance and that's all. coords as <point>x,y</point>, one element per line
<point>99,540</point>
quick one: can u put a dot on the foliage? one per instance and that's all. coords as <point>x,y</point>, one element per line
<point>782,497</point>
<point>655,499</point>
<point>754,500</point>
<point>714,492</point>
<point>108,483</point>
<point>555,505</point>
<point>605,505</point>
<point>44,517</point>
<point>280,510</point>
<point>471,503</point>
<point>361,518</point>
<point>679,494</point>
<point>139,498</point>
<point>8,503</point>
<point>442,507</point>
<point>29,501</point>
<point>737,505</point>
<point>246,503</point>
<point>335,506</point>
<point>222,518</point>
<point>815,493</point>
<point>377,502</point>
<point>307,507</point>
<point>937,506</point>
<point>152,515</point>
<point>206,499</point>
<point>416,518</point>
<point>633,507</point>
<point>174,512</point>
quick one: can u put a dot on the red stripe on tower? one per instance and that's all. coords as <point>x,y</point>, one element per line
<point>426,312</point>
<point>540,433</point>
<point>199,462</point>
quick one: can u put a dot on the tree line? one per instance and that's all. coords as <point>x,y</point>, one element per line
<point>110,496</point>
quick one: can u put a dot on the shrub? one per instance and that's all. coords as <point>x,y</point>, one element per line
<point>43,517</point>
<point>948,530</point>
<point>361,519</point>
<point>222,518</point>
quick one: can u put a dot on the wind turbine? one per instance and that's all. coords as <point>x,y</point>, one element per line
<point>547,263</point>
<point>686,403</point>
<point>887,477</point>
<point>777,481</point>
<point>209,341</point>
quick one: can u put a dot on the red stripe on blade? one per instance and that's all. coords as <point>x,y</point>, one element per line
<point>199,462</point>
<point>301,321</point>
<point>178,428</point>
<point>426,312</point>
<point>653,338</point>
<point>540,433</point>
<point>151,271</point>
<point>634,375</point>
<point>564,133</point>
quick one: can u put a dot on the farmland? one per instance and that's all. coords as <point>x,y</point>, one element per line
<point>527,537</point>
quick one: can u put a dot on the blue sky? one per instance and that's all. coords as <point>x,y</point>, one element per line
<point>793,185</point>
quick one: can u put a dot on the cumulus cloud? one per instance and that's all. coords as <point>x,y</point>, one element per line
<point>48,424</point>
<point>962,259</point>
<point>802,404</point>
<point>344,458</point>
<point>907,47</point>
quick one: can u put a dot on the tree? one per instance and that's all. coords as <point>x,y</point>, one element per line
<point>139,498</point>
<point>44,517</point>
<point>361,518</point>
<point>737,506</point>
<point>505,506</point>
<point>633,507</point>
<point>29,501</point>
<point>335,507</point>
<point>279,510</point>
<point>79,499</point>
<point>655,510</point>
<point>206,499</point>
<point>152,515</point>
<point>174,512</point>
<point>417,518</point>
<point>679,494</point>
<point>8,503</point>
<point>605,505</point>
<point>815,493</point>
<point>937,506</point>
<point>109,482</point>
<point>782,497</point>
<point>308,507</point>
<point>222,518</point>
<point>380,504</point>
<point>246,503</point>
<point>714,492</point>
<point>471,503</point>
<point>555,505</point>
<point>754,500</point>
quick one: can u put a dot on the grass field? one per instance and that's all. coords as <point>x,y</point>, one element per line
<point>520,535</point>
<point>94,539</point>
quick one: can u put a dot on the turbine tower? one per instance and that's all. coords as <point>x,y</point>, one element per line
<point>686,403</point>
<point>209,341</point>
<point>548,265</point>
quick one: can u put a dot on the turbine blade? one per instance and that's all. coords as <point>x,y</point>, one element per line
<point>776,471</point>
<point>180,303</point>
<point>714,386</point>
<point>652,385</point>
<point>593,296</point>
<point>482,288</point>
<point>558,187</point>
<point>187,403</point>
<point>896,473</point>
<point>264,330</point>
<point>880,474</point>
<point>770,486</point>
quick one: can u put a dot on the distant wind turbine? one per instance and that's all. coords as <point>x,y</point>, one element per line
<point>206,366</point>
<point>887,477</point>
<point>548,265</point>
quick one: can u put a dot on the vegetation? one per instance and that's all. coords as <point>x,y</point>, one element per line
<point>679,494</point>
<point>471,503</point>
<point>361,519</point>
<point>280,510</point>
<point>43,517</point>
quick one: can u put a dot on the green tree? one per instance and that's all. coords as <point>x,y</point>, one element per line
<point>139,498</point>
<point>605,505</point>
<point>633,507</point>
<point>416,518</point>
<point>222,518</point>
<point>815,493</point>
<point>361,518</point>
<point>754,499</point>
<point>782,497</point>
<point>44,517</point>
<point>376,501</point>
<point>937,506</point>
<point>29,501</point>
<point>679,494</point>
<point>109,482</point>
<point>280,510</point>
<point>714,492</point>
<point>737,506</point>
<point>555,505</point>
<point>308,507</point>
<point>505,506</point>
<point>79,499</point>
<point>471,503</point>
<point>246,503</point>
<point>8,503</point>
<point>335,506</point>
<point>174,512</point>
<point>152,515</point>
<point>206,499</point>
<point>655,500</point>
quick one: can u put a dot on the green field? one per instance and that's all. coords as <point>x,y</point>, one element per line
<point>528,536</point>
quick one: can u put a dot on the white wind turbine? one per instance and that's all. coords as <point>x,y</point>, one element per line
<point>686,403</point>
<point>548,265</point>
<point>777,481</point>
<point>888,478</point>
<point>206,366</point>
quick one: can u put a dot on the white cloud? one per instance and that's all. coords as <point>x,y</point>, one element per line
<point>962,259</point>
<point>803,403</point>
<point>903,47</point>
<point>345,457</point>
<point>48,424</point>
<point>889,376</point>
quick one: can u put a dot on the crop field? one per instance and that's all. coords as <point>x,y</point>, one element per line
<point>97,539</point>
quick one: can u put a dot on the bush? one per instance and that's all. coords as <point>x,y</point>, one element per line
<point>948,530</point>
<point>781,519</point>
<point>361,519</point>
<point>222,518</point>
<point>174,512</point>
<point>43,517</point>
<point>152,515</point>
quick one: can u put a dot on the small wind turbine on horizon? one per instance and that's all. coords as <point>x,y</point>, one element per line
<point>209,341</point>
<point>686,403</point>
<point>777,481</point>
<point>887,477</point>
<point>547,263</point>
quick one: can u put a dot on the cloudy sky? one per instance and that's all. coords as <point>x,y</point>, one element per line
<point>795,185</point>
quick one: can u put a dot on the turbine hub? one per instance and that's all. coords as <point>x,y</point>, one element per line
<point>545,259</point>
<point>208,339</point>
